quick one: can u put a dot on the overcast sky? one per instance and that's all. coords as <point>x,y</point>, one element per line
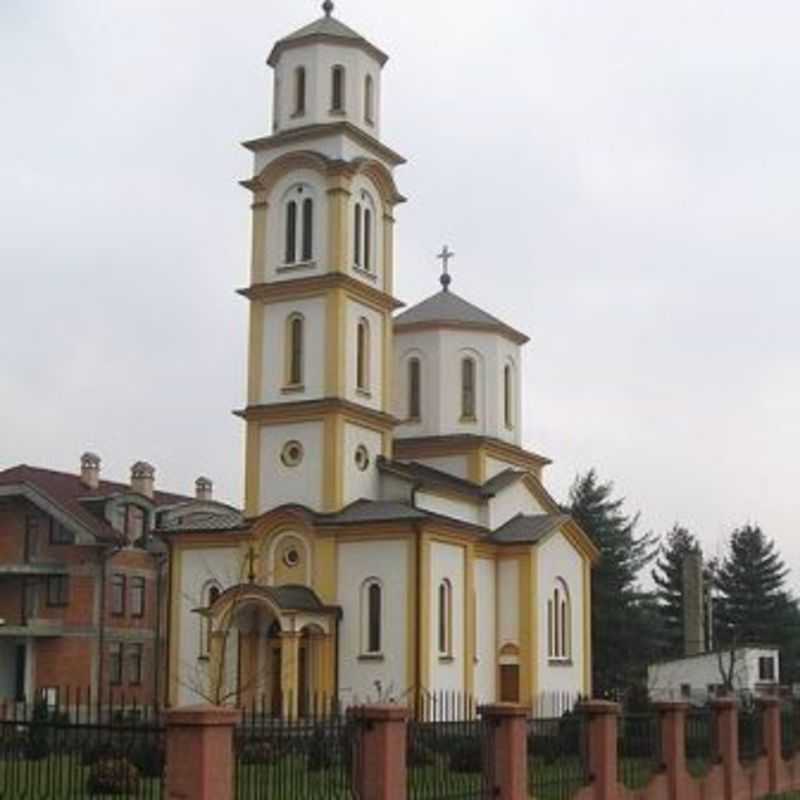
<point>619,179</point>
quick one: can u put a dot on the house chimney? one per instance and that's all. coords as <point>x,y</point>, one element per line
<point>90,470</point>
<point>143,479</point>
<point>694,637</point>
<point>204,488</point>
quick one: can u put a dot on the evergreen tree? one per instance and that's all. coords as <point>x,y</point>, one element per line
<point>668,578</point>
<point>621,623</point>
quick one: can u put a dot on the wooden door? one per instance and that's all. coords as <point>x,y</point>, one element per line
<point>509,683</point>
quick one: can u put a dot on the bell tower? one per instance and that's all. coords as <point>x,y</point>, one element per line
<point>318,410</point>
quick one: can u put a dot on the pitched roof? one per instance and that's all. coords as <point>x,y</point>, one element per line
<point>371,511</point>
<point>528,529</point>
<point>325,28</point>
<point>446,309</point>
<point>66,491</point>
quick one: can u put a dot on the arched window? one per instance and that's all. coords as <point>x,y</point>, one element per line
<point>211,594</point>
<point>445,618</point>
<point>295,347</point>
<point>468,389</point>
<point>369,99</point>
<point>508,396</point>
<point>291,232</point>
<point>559,623</point>
<point>414,389</point>
<point>367,239</point>
<point>372,616</point>
<point>337,89</point>
<point>357,236</point>
<point>308,229</point>
<point>300,91</point>
<point>362,356</point>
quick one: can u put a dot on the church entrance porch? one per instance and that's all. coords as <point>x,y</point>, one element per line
<point>272,649</point>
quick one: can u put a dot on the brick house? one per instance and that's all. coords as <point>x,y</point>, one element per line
<point>83,581</point>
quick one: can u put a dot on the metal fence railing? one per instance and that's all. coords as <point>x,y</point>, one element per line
<point>751,738</point>
<point>701,741</point>
<point>71,744</point>
<point>445,749</point>
<point>557,756</point>
<point>638,749</point>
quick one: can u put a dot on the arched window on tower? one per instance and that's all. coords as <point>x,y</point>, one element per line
<point>559,623</point>
<point>357,235</point>
<point>295,348</point>
<point>367,239</point>
<point>291,232</point>
<point>445,614</point>
<point>371,617</point>
<point>362,356</point>
<point>468,389</point>
<point>369,100</point>
<point>508,396</point>
<point>299,227</point>
<point>337,88</point>
<point>363,232</point>
<point>414,390</point>
<point>300,91</point>
<point>308,229</point>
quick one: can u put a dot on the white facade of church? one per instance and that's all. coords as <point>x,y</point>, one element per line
<point>395,535</point>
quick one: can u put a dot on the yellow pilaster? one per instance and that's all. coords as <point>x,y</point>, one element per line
<point>527,639</point>
<point>176,596</point>
<point>425,612</point>
<point>258,247</point>
<point>252,472</point>
<point>338,203</point>
<point>587,628</point>
<point>325,567</point>
<point>388,364</point>
<point>290,662</point>
<point>469,617</point>
<point>476,465</point>
<point>333,478</point>
<point>335,335</point>
<point>388,253</point>
<point>412,641</point>
<point>255,360</point>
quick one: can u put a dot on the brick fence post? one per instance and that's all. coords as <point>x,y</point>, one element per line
<point>726,721</point>
<point>673,747</point>
<point>771,721</point>
<point>505,758</point>
<point>379,757</point>
<point>200,758</point>
<point>602,718</point>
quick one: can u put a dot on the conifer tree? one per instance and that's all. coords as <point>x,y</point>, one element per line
<point>620,621</point>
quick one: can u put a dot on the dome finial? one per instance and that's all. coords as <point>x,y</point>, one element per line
<point>328,7</point>
<point>445,257</point>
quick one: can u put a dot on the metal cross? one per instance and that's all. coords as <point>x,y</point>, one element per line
<point>445,257</point>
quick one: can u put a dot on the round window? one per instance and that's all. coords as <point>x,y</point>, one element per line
<point>291,557</point>
<point>362,457</point>
<point>292,454</point>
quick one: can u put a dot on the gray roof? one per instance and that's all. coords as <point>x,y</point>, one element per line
<point>446,308</point>
<point>299,598</point>
<point>325,28</point>
<point>371,511</point>
<point>528,529</point>
<point>204,521</point>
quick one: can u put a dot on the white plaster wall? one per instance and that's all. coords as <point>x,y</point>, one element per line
<point>425,347</point>
<point>507,602</point>
<point>452,465</point>
<point>313,184</point>
<point>485,631</point>
<point>388,561</point>
<point>495,466</point>
<point>392,488</point>
<point>275,350</point>
<point>301,484</point>
<point>354,312</point>
<point>448,507</point>
<point>447,561</point>
<point>363,191</point>
<point>557,558</point>
<point>514,499</point>
<point>319,60</point>
<point>361,485</point>
<point>199,567</point>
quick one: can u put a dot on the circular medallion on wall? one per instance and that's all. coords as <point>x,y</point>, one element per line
<point>362,458</point>
<point>291,556</point>
<point>292,454</point>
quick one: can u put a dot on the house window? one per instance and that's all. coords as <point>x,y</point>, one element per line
<point>118,595</point>
<point>766,668</point>
<point>337,89</point>
<point>135,658</point>
<point>134,523</point>
<point>300,91</point>
<point>295,348</point>
<point>59,534</point>
<point>212,594</point>
<point>137,596</point>
<point>468,389</point>
<point>369,100</point>
<point>299,229</point>
<point>508,397</point>
<point>445,619</point>
<point>115,663</point>
<point>57,590</point>
<point>559,623</point>
<point>363,217</point>
<point>414,390</point>
<point>362,356</point>
<point>372,617</point>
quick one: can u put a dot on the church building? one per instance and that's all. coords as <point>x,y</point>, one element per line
<point>396,534</point>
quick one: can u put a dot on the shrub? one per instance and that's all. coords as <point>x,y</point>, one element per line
<point>113,776</point>
<point>38,744</point>
<point>466,756</point>
<point>149,758</point>
<point>258,751</point>
<point>320,752</point>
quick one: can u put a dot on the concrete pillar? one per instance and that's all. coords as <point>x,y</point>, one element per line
<point>200,757</point>
<point>771,720</point>
<point>726,720</point>
<point>603,718</point>
<point>379,757</point>
<point>673,747</point>
<point>506,750</point>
